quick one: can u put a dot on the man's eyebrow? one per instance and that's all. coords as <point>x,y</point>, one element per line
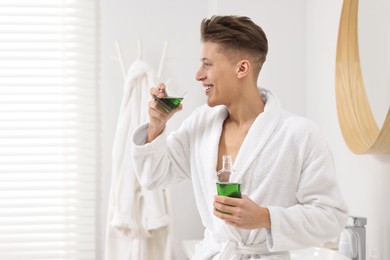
<point>203,59</point>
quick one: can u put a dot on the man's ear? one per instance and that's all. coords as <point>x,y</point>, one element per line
<point>243,67</point>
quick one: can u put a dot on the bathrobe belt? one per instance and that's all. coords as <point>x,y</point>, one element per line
<point>233,250</point>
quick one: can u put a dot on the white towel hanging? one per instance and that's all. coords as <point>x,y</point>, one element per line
<point>138,224</point>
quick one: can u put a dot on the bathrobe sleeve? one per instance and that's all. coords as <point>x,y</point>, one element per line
<point>320,213</point>
<point>164,161</point>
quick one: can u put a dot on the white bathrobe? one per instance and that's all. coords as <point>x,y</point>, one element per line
<point>283,164</point>
<point>138,219</point>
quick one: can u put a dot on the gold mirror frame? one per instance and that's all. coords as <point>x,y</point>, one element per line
<point>357,123</point>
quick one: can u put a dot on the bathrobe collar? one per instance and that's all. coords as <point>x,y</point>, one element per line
<point>261,130</point>
<point>258,134</point>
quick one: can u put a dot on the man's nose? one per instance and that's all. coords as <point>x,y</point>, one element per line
<point>199,75</point>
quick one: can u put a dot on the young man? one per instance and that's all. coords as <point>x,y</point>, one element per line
<point>290,195</point>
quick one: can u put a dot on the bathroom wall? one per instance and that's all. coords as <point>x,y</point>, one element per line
<point>364,179</point>
<point>300,70</point>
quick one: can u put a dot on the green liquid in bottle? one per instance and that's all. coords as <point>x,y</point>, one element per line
<point>168,104</point>
<point>229,189</point>
<point>224,186</point>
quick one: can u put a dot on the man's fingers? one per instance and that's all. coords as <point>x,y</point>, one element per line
<point>158,92</point>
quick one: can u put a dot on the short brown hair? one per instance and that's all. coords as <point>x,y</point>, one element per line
<point>237,33</point>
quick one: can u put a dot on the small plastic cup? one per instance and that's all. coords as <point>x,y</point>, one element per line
<point>175,94</point>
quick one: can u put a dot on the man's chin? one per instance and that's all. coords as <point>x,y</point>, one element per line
<point>211,104</point>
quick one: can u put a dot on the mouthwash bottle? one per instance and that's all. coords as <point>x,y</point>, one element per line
<point>224,186</point>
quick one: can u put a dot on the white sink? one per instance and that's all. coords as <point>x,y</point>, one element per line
<point>317,253</point>
<point>312,253</point>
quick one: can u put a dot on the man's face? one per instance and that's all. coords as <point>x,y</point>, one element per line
<point>217,74</point>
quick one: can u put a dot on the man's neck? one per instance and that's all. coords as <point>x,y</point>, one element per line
<point>246,107</point>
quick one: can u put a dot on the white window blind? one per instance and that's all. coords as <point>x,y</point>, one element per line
<point>47,129</point>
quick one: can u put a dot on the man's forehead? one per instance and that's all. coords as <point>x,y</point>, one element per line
<point>211,50</point>
<point>211,46</point>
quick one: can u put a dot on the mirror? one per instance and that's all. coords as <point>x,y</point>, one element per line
<point>374,50</point>
<point>358,125</point>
